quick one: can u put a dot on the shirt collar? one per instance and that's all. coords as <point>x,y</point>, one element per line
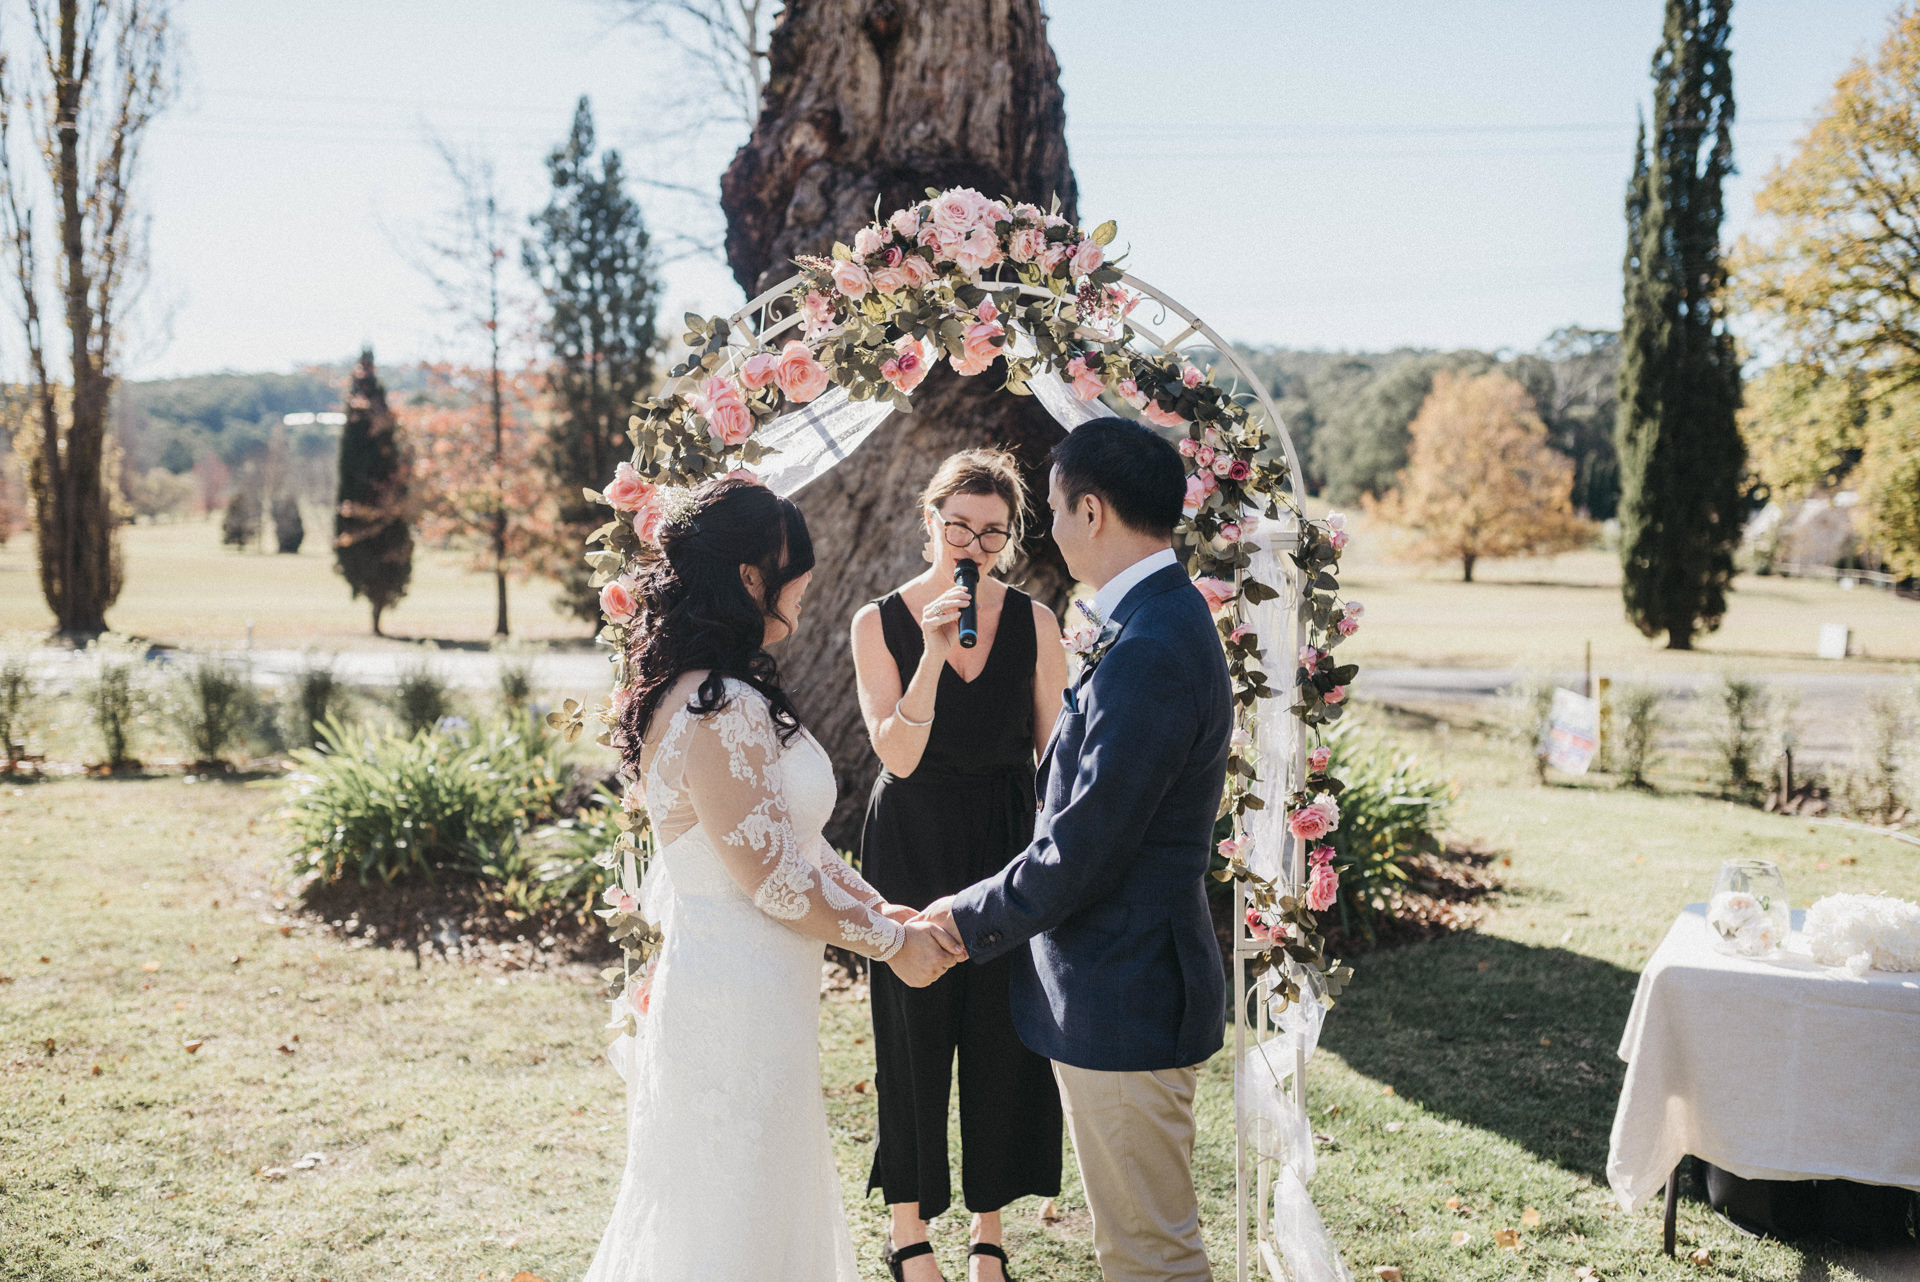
<point>1108,598</point>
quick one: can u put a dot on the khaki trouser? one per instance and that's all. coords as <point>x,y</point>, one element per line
<point>1133,1136</point>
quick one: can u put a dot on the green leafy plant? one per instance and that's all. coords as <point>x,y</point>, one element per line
<point>1529,705</point>
<point>568,862</point>
<point>514,671</point>
<point>1876,788</point>
<point>382,805</point>
<point>420,697</point>
<point>316,695</point>
<point>116,694</point>
<point>19,702</point>
<point>1739,709</point>
<point>1639,711</point>
<point>1391,809</point>
<point>213,705</point>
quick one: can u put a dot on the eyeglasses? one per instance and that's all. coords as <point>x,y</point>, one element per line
<point>959,534</point>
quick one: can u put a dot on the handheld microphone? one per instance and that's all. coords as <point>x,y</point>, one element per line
<point>967,575</point>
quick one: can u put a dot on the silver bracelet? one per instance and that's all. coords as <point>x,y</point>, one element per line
<point>904,719</point>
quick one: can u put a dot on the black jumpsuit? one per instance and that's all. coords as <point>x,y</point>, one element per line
<point>964,812</point>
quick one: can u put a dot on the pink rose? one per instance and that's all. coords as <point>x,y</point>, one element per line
<point>1199,486</point>
<point>1203,455</point>
<point>905,370</point>
<point>1162,418</point>
<point>894,256</point>
<point>1323,888</point>
<point>980,346</point>
<point>1337,539</point>
<point>1087,256</point>
<point>1257,926</point>
<point>987,311</point>
<point>891,280</point>
<point>1310,658</point>
<point>1354,610</point>
<point>1052,256</point>
<point>1231,531</point>
<point>629,491</point>
<point>1217,592</point>
<point>905,223</point>
<point>729,421</point>
<point>1336,520</point>
<point>758,371</point>
<point>976,251</point>
<point>1239,632</point>
<point>1336,695</point>
<point>1231,849</point>
<point>1081,639</point>
<point>851,279</point>
<point>746,474</point>
<point>619,898</point>
<point>1132,395</point>
<point>1050,221</point>
<point>920,269</point>
<point>1086,382</point>
<point>1346,625</point>
<point>1027,244</point>
<point>995,213</point>
<point>646,523</point>
<point>1223,465</point>
<point>1319,757</point>
<point>866,241</point>
<point>800,376</point>
<point>1189,376</point>
<point>617,601</point>
<point>816,313</point>
<point>959,209</point>
<point>1027,213</point>
<point>1316,819</point>
<point>1189,448</point>
<point>1240,470</point>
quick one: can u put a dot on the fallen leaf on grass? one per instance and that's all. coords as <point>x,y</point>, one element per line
<point>1386,1090</point>
<point>1508,1238</point>
<point>150,967</point>
<point>1050,1213</point>
<point>284,1049</point>
<point>1387,1273</point>
<point>1702,1257</point>
<point>1453,1203</point>
<point>1394,1128</point>
<point>524,1276</point>
<point>96,1070</point>
<point>1461,1237</point>
<point>194,1046</point>
<point>1530,1218</point>
<point>1546,1041</point>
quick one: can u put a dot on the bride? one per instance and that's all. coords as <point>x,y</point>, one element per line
<point>729,1173</point>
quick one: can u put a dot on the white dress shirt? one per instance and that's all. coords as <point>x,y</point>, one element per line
<point>1108,598</point>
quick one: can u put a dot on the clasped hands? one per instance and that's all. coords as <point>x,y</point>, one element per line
<point>933,944</point>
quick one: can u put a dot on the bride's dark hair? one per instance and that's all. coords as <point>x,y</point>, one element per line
<point>696,613</point>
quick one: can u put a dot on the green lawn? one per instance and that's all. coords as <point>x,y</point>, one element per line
<point>471,1129</point>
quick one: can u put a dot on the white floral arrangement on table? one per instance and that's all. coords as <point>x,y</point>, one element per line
<point>1864,932</point>
<point>1751,924</point>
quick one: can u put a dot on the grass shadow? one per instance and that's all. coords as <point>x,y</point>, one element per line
<point>1513,1039</point>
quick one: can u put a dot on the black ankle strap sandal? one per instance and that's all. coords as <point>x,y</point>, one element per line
<point>989,1249</point>
<point>894,1259</point>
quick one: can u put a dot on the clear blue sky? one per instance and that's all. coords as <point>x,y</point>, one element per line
<point>1327,174</point>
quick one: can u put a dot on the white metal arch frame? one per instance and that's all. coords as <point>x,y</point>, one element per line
<point>756,328</point>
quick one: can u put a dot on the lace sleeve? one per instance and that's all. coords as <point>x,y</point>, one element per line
<point>733,774</point>
<point>840,874</point>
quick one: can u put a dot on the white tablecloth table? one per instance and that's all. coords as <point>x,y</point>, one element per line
<point>1775,1069</point>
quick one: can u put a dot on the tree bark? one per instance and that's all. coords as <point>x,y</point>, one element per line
<point>883,99</point>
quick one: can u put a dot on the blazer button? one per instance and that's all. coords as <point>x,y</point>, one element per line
<point>993,937</point>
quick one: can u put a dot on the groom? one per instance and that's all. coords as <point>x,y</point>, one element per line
<point>1120,982</point>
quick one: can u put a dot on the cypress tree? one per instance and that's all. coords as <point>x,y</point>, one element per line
<point>372,534</point>
<point>592,261</point>
<point>1682,463</point>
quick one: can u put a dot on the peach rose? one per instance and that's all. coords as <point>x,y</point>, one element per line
<point>1347,625</point>
<point>1231,849</point>
<point>646,523</point>
<point>1223,465</point>
<point>816,313</point>
<point>1085,381</point>
<point>1319,757</point>
<point>1203,456</point>
<point>800,376</point>
<point>976,251</point>
<point>728,418</point>
<point>629,491</point>
<point>1336,695</point>
<point>1200,486</point>
<point>619,898</point>
<point>866,241</point>
<point>1217,592</point>
<point>1337,540</point>
<point>995,212</point>
<point>758,371</point>
<point>1189,448</point>
<point>1087,256</point>
<point>981,345</point>
<point>1130,393</point>
<point>1027,213</point>
<point>851,279</point>
<point>891,280</point>
<point>1027,244</point>
<point>1161,418</point>
<point>1052,256</point>
<point>905,370</point>
<point>959,208</point>
<point>905,223</point>
<point>617,601</point>
<point>1190,377</point>
<point>921,269</point>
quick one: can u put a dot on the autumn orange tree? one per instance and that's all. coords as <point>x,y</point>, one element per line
<point>1829,278</point>
<point>1481,481</point>
<point>463,485</point>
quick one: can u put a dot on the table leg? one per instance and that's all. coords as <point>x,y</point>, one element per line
<point>1673,1210</point>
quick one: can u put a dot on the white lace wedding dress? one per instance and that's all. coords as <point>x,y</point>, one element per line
<point>730,1174</point>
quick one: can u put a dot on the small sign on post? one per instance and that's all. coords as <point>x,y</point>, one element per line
<point>1836,639</point>
<point>1573,732</point>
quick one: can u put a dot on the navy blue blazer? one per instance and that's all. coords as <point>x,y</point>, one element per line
<point>1121,971</point>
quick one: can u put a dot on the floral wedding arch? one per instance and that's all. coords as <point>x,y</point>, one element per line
<point>791,384</point>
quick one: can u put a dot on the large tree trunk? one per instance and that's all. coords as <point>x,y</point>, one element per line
<point>886,98</point>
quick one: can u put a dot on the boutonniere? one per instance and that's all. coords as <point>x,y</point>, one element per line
<point>1089,641</point>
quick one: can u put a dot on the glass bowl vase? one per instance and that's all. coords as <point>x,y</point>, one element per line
<point>1748,915</point>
